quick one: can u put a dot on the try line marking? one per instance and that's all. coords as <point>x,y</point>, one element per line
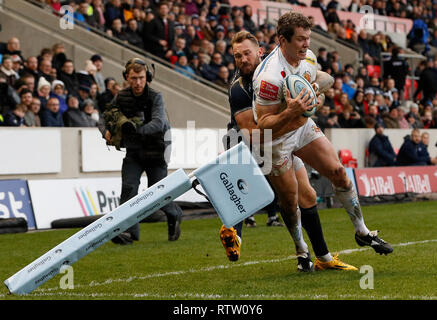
<point>212,268</point>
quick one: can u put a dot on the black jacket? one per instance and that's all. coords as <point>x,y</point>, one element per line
<point>381,152</point>
<point>149,138</point>
<point>410,154</point>
<point>71,82</point>
<point>155,31</point>
<point>396,68</point>
<point>76,118</point>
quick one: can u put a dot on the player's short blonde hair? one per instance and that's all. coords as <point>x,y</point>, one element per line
<point>290,20</point>
<point>239,37</point>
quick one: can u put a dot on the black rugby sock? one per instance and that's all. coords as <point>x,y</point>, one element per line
<point>311,223</point>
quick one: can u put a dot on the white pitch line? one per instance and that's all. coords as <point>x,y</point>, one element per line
<point>212,268</point>
<point>229,297</point>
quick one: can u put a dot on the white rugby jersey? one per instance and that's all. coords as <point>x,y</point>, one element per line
<point>270,75</point>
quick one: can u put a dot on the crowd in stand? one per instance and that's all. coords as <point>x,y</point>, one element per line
<point>195,36</point>
<point>47,91</point>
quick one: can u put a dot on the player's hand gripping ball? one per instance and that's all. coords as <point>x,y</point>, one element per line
<point>295,83</point>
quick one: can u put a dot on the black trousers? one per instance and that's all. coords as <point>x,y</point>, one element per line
<point>133,167</point>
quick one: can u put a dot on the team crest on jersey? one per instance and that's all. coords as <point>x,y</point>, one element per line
<point>307,76</point>
<point>268,91</point>
<point>283,74</point>
<point>316,128</point>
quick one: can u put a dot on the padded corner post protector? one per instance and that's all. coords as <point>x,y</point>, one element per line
<point>99,232</point>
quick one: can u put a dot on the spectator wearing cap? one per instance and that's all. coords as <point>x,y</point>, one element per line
<point>158,35</point>
<point>43,91</point>
<point>74,116</point>
<point>219,34</point>
<point>214,9</point>
<point>195,64</point>
<point>58,91</point>
<point>179,30</point>
<point>7,72</point>
<point>97,60</point>
<point>391,119</point>
<point>17,64</point>
<point>381,153</point>
<point>132,34</point>
<point>31,118</point>
<point>50,115</point>
<point>84,93</point>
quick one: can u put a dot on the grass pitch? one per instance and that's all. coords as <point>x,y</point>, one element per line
<point>196,267</point>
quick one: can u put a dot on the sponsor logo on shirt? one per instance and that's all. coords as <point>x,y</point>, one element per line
<point>268,91</point>
<point>307,76</point>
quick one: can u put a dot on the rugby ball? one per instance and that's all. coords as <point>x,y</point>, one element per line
<point>295,83</point>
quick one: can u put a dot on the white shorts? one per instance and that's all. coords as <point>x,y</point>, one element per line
<point>297,163</point>
<point>280,159</point>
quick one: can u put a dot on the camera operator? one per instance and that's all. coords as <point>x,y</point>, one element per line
<point>136,119</point>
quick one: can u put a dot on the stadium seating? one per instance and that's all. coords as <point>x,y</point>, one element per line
<point>346,158</point>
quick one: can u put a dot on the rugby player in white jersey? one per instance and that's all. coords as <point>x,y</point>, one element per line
<point>295,134</point>
<point>247,55</point>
